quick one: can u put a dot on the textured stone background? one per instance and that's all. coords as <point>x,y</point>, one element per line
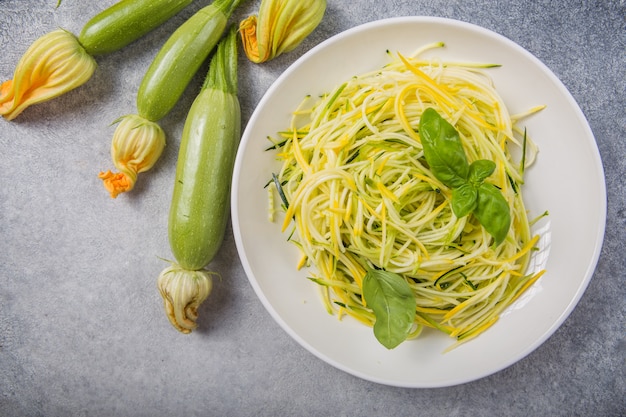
<point>82,332</point>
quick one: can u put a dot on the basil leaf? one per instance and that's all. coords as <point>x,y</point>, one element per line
<point>479,170</point>
<point>464,200</point>
<point>443,149</point>
<point>446,157</point>
<point>391,299</point>
<point>492,211</point>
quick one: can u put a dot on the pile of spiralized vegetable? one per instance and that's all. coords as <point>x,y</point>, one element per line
<point>359,195</point>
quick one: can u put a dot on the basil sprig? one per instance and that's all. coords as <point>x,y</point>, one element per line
<point>391,299</point>
<point>470,193</point>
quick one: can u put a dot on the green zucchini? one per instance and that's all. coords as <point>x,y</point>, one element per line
<point>125,22</point>
<point>200,201</point>
<point>180,58</point>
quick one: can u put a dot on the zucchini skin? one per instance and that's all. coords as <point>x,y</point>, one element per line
<point>125,22</point>
<point>178,61</point>
<point>200,203</point>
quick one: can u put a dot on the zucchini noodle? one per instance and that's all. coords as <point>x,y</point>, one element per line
<point>358,194</point>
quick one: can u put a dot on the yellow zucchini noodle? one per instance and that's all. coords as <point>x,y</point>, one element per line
<point>358,193</point>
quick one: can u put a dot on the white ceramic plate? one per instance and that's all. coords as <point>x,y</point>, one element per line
<point>567,180</point>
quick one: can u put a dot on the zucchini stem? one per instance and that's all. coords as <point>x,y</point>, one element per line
<point>222,73</point>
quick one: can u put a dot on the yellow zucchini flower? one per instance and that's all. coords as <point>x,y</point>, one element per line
<point>53,65</point>
<point>136,146</point>
<point>183,291</point>
<point>279,27</point>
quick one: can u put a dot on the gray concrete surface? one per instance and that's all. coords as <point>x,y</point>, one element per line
<point>82,331</point>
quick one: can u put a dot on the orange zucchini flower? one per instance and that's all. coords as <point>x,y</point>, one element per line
<point>53,65</point>
<point>279,27</point>
<point>136,146</point>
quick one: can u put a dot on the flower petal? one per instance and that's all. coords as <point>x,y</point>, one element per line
<point>247,28</point>
<point>136,146</point>
<point>53,65</point>
<point>183,291</point>
<point>279,27</point>
<point>116,183</point>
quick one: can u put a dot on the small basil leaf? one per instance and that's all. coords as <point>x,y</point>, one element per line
<point>492,211</point>
<point>443,149</point>
<point>479,170</point>
<point>391,299</point>
<point>464,200</point>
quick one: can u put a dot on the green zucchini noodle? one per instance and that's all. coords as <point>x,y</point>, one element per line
<point>358,193</point>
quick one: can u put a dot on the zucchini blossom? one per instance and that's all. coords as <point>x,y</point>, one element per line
<point>53,65</point>
<point>279,27</point>
<point>183,291</point>
<point>136,146</point>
